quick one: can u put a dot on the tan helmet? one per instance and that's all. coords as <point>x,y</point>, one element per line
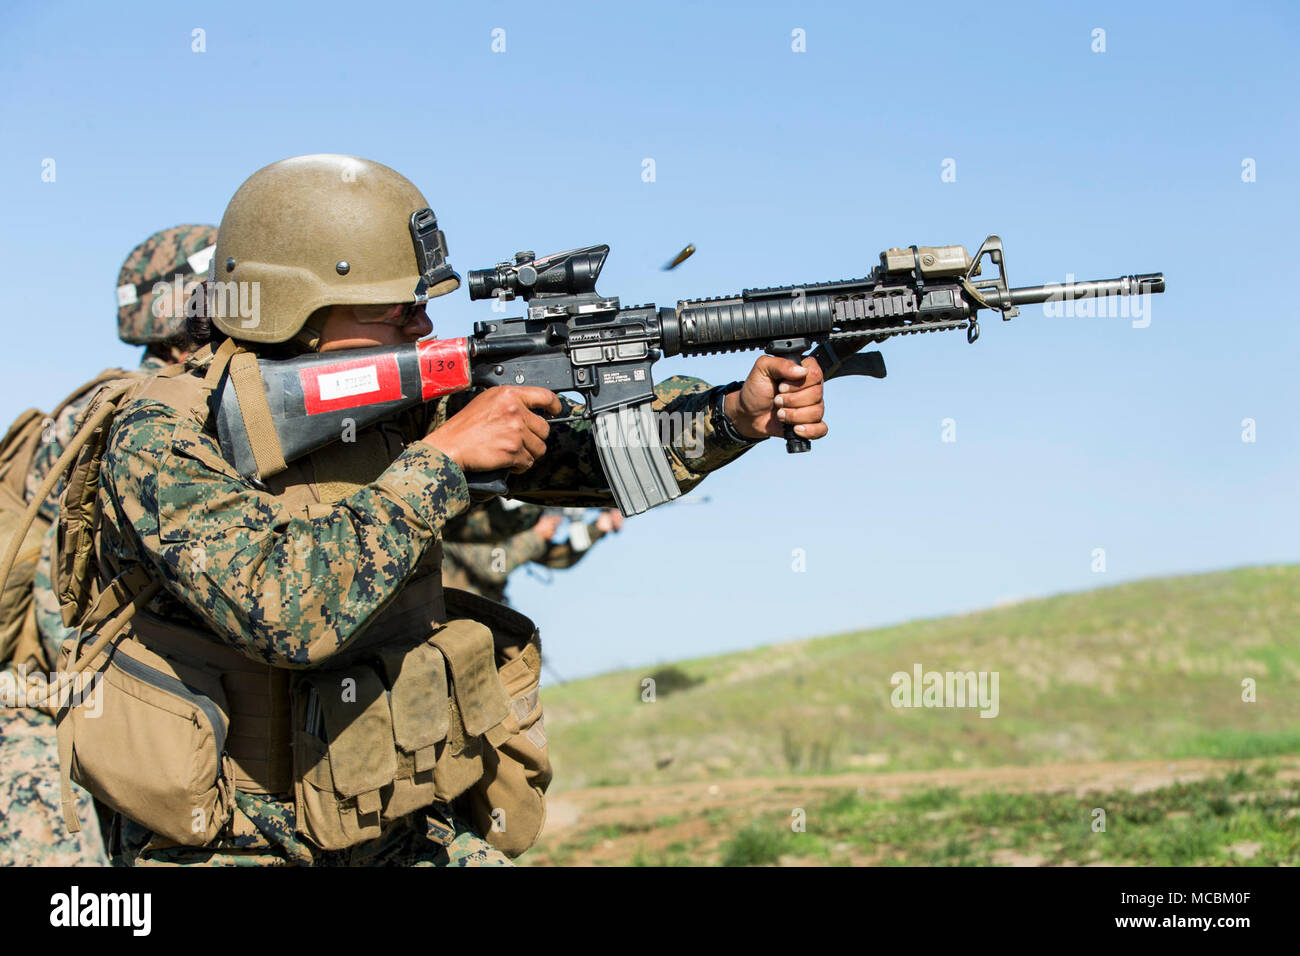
<point>321,230</point>
<point>175,258</point>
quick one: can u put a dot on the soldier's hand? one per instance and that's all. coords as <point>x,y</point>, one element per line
<point>547,527</point>
<point>778,393</point>
<point>611,519</point>
<point>499,428</point>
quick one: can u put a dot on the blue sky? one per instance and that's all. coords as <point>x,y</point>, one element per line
<point>781,167</point>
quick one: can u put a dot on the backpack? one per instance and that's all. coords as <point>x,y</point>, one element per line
<point>19,639</point>
<point>91,608</point>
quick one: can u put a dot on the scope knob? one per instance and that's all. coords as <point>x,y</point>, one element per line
<point>527,275</point>
<point>525,256</point>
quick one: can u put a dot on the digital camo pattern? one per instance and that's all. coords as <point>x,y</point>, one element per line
<point>435,836</point>
<point>60,430</point>
<point>32,832</point>
<point>280,587</point>
<point>492,521</point>
<point>292,590</point>
<point>49,617</point>
<point>485,568</point>
<point>476,546</point>
<point>160,258</point>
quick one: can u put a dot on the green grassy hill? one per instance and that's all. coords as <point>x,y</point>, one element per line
<point>1152,669</point>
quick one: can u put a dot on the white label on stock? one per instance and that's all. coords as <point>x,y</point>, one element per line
<point>349,382</point>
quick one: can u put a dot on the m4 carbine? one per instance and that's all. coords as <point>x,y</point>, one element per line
<point>574,339</point>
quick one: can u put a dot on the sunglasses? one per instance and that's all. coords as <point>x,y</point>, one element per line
<point>400,315</point>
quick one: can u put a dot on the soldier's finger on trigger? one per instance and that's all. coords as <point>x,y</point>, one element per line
<point>534,445</point>
<point>539,399</point>
<point>538,425</point>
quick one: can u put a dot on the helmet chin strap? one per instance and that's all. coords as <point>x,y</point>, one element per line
<point>309,335</point>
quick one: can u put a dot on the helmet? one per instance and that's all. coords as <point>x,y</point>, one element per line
<point>143,317</point>
<point>322,230</point>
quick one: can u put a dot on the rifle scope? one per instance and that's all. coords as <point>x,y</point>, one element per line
<point>565,273</point>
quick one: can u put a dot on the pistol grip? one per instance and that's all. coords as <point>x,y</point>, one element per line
<point>486,484</point>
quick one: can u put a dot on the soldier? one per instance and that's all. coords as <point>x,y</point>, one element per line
<point>484,566</point>
<point>31,828</point>
<point>289,617</point>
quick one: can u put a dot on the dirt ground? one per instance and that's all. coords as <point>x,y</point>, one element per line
<point>650,818</point>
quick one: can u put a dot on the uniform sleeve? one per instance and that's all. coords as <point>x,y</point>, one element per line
<point>491,522</point>
<point>523,548</point>
<point>279,587</point>
<point>472,566</point>
<point>570,472</point>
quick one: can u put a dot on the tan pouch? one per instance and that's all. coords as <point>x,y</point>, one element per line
<point>409,726</point>
<point>481,705</point>
<point>149,741</point>
<point>507,803</point>
<point>343,755</point>
<point>422,717</point>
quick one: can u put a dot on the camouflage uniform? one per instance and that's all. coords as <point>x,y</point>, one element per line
<point>60,430</point>
<point>295,591</point>
<point>492,521</point>
<point>49,619</point>
<point>484,567</point>
<point>32,832</point>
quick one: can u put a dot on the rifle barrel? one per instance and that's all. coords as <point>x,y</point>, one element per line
<point>1146,283</point>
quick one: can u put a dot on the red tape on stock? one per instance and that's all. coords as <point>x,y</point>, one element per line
<point>444,366</point>
<point>350,383</point>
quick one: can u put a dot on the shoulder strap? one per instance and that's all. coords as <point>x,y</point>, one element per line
<point>220,359</point>
<point>256,412</point>
<point>60,467</point>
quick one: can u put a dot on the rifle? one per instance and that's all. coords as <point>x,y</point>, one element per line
<point>574,339</point>
<point>580,536</point>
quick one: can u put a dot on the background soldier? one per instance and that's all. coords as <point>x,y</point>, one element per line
<point>484,567</point>
<point>151,314</point>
